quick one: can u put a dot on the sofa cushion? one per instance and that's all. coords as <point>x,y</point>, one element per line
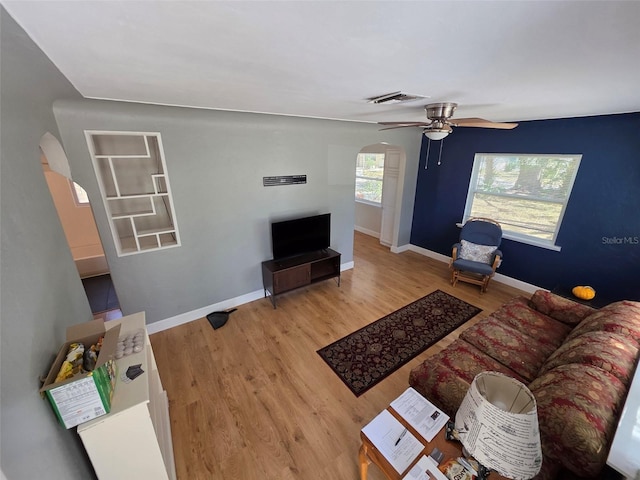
<point>606,350</point>
<point>560,308</point>
<point>518,314</point>
<point>578,407</point>
<point>515,350</point>
<point>620,317</point>
<point>445,377</point>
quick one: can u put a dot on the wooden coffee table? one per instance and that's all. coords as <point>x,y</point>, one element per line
<point>370,454</point>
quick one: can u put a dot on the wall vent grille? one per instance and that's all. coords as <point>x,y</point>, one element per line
<point>284,180</point>
<point>395,97</point>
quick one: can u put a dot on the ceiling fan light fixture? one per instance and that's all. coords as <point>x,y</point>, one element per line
<point>437,133</point>
<point>440,111</point>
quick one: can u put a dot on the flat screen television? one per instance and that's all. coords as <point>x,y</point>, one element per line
<point>300,235</point>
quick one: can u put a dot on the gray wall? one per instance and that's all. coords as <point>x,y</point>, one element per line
<point>41,292</point>
<point>216,161</point>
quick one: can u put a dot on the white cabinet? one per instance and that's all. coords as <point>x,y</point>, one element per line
<point>134,184</point>
<point>134,439</point>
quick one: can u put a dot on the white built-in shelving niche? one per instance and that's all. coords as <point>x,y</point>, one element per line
<point>133,180</point>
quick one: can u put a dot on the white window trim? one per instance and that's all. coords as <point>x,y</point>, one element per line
<point>74,194</point>
<point>528,241</point>
<point>536,242</point>
<point>369,202</point>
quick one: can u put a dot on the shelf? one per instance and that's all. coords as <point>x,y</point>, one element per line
<point>155,231</point>
<point>119,144</point>
<point>132,175</point>
<point>137,195</point>
<point>121,156</point>
<point>130,247</point>
<point>141,213</point>
<point>321,278</point>
<point>167,240</point>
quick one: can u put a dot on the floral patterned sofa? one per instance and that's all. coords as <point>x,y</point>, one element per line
<point>577,361</point>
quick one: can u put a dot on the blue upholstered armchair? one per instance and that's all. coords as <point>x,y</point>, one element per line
<point>476,256</point>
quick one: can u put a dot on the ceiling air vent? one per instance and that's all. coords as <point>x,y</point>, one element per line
<point>396,97</point>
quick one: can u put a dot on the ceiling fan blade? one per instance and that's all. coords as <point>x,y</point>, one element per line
<point>406,124</point>
<point>403,125</point>
<point>481,122</point>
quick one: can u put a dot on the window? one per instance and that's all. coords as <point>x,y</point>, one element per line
<point>369,173</point>
<point>79,194</point>
<point>527,194</point>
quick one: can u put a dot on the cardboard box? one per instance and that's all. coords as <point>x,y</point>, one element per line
<point>84,396</point>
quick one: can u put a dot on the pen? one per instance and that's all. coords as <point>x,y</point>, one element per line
<point>400,437</point>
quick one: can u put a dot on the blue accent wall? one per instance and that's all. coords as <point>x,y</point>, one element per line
<point>600,233</point>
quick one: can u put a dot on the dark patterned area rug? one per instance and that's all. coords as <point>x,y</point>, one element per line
<point>367,356</point>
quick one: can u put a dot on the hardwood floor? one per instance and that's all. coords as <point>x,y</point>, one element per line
<point>253,400</point>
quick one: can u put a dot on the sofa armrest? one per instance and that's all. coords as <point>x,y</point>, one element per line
<point>578,410</point>
<point>560,308</point>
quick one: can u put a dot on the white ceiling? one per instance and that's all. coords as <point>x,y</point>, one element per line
<point>503,61</point>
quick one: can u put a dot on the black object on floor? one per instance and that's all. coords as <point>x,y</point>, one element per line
<point>218,319</point>
<point>100,293</point>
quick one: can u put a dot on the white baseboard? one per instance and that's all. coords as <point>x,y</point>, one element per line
<point>346,266</point>
<point>187,317</point>
<point>519,284</point>
<point>512,282</point>
<point>400,249</point>
<point>429,253</point>
<point>371,233</point>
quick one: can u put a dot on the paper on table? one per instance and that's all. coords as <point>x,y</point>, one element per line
<point>425,469</point>
<point>385,433</point>
<point>420,413</point>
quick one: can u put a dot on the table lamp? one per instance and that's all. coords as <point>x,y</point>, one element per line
<point>497,424</point>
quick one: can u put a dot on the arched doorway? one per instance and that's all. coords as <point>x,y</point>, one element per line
<point>379,214</point>
<point>76,217</point>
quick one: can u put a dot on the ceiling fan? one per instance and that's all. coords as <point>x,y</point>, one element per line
<point>440,122</point>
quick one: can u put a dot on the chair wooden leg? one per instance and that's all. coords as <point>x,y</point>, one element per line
<point>485,283</point>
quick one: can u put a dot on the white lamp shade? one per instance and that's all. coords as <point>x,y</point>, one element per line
<point>436,133</point>
<point>497,423</point>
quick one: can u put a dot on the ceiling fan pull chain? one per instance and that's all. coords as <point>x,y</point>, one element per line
<point>426,161</point>
<point>440,154</point>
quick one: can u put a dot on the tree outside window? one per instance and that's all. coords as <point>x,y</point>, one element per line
<point>369,174</point>
<point>527,194</point>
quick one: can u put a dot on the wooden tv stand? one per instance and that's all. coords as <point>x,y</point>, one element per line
<point>280,276</point>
